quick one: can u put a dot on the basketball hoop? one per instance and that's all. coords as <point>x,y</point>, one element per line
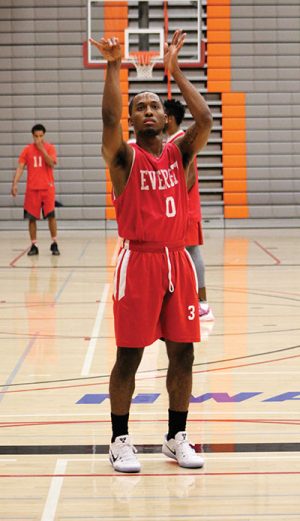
<point>144,62</point>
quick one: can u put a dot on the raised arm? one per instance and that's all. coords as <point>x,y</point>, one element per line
<point>116,152</point>
<point>197,134</point>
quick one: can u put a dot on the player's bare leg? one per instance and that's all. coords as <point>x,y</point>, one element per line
<point>53,232</point>
<point>122,378</point>
<point>122,453</point>
<point>179,385</point>
<point>179,376</point>
<point>52,226</point>
<point>32,230</point>
<point>32,233</point>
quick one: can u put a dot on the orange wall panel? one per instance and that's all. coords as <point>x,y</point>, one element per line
<point>235,161</point>
<point>219,36</point>
<point>234,111</point>
<point>219,74</point>
<point>220,62</point>
<point>236,212</point>
<point>234,199</point>
<point>218,49</point>
<point>233,136</point>
<point>235,186</point>
<point>232,172</point>
<point>214,3</point>
<point>234,148</point>
<point>233,98</point>
<point>115,22</point>
<point>218,86</point>
<point>234,124</point>
<point>217,11</point>
<point>218,24</point>
<point>110,213</point>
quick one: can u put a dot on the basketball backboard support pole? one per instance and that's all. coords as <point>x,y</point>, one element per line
<point>193,54</point>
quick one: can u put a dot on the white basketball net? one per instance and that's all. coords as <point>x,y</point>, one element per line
<point>144,62</point>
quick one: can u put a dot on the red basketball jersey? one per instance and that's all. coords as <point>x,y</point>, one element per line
<point>39,174</point>
<point>154,204</point>
<point>194,196</point>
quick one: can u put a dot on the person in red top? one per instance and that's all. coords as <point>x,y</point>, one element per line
<point>39,158</point>
<point>155,285</point>
<point>175,111</point>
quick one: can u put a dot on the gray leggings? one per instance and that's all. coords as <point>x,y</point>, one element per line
<point>195,253</point>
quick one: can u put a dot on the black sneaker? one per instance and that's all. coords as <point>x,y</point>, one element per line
<point>54,249</point>
<point>33,250</point>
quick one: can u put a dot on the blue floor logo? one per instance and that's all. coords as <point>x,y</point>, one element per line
<point>217,397</point>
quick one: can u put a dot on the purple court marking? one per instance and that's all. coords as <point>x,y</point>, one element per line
<point>58,294</point>
<point>277,261</point>
<point>17,367</point>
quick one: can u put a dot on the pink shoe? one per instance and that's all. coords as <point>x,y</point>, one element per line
<point>205,312</point>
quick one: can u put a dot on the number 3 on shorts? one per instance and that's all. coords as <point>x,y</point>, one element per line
<point>170,207</point>
<point>191,315</point>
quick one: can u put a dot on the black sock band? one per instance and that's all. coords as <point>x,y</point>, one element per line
<point>119,425</point>
<point>177,422</point>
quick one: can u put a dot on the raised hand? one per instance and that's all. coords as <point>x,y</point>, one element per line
<point>110,48</point>
<point>39,143</point>
<point>171,50</point>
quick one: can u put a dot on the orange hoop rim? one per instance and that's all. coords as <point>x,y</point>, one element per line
<point>144,58</point>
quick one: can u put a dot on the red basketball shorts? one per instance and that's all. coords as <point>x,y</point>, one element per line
<point>37,200</point>
<point>155,295</point>
<point>194,234</point>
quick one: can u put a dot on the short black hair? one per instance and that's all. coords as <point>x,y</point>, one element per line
<point>130,106</point>
<point>37,127</point>
<point>175,108</point>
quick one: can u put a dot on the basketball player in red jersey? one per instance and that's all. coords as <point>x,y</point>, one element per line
<point>175,111</point>
<point>40,158</point>
<point>155,286</point>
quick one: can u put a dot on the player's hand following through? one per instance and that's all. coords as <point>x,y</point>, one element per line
<point>110,48</point>
<point>171,50</point>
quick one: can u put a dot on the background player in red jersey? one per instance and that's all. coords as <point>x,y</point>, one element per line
<point>155,286</point>
<point>40,158</point>
<point>175,111</point>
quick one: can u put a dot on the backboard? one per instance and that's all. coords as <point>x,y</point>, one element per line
<point>144,25</point>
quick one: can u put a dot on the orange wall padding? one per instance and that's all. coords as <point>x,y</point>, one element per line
<point>233,109</point>
<point>115,22</point>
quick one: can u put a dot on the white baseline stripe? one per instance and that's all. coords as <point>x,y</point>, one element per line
<point>97,325</point>
<point>54,491</point>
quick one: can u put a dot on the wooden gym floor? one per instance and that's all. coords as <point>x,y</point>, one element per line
<point>57,348</point>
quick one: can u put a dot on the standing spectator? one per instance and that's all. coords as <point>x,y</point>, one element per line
<point>175,111</point>
<point>39,158</point>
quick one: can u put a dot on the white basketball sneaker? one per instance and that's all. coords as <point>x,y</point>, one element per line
<point>179,448</point>
<point>122,455</point>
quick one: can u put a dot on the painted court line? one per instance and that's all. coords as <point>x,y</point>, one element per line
<point>17,367</point>
<point>95,333</point>
<point>113,261</point>
<point>277,261</point>
<point>54,490</point>
<point>14,261</point>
